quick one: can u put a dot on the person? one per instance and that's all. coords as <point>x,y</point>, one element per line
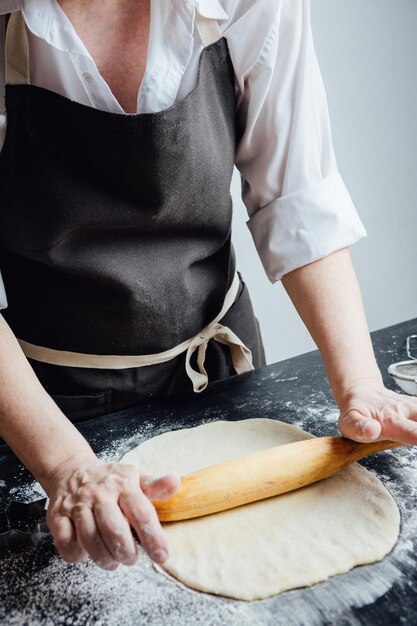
<point>123,122</point>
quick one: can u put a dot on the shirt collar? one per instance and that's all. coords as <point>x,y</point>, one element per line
<point>211,9</point>
<point>8,6</point>
<point>207,8</point>
<point>38,14</point>
<point>46,20</point>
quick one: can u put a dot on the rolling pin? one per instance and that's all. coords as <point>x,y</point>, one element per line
<point>264,474</point>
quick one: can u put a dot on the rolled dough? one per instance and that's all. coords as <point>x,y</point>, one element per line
<point>289,541</point>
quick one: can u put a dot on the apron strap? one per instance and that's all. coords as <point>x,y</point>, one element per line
<point>240,354</point>
<point>208,29</point>
<point>16,51</point>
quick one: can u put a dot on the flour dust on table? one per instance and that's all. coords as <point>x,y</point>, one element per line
<point>285,542</point>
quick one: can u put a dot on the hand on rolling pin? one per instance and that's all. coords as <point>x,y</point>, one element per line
<point>369,412</point>
<point>90,504</point>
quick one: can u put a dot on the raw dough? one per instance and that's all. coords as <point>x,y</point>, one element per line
<point>289,541</point>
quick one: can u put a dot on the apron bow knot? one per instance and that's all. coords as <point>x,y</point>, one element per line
<point>241,355</point>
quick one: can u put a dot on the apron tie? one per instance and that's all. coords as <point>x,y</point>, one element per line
<point>241,355</point>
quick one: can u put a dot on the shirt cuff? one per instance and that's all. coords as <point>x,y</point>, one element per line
<point>305,226</point>
<point>3,298</point>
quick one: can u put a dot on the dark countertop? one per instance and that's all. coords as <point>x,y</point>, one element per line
<point>38,588</point>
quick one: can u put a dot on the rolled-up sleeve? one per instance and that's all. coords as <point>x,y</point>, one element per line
<point>298,205</point>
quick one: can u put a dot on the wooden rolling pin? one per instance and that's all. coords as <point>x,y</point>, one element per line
<point>262,475</point>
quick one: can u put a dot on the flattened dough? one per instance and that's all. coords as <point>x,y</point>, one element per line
<point>260,549</point>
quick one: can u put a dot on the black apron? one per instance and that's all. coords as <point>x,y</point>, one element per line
<point>115,236</point>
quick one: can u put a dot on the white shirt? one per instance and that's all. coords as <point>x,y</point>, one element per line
<point>299,208</point>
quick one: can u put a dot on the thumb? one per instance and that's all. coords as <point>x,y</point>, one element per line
<point>159,488</point>
<point>358,427</point>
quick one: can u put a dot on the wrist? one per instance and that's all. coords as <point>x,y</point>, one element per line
<point>66,466</point>
<point>344,391</point>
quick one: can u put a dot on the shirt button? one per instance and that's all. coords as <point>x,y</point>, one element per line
<point>88,78</point>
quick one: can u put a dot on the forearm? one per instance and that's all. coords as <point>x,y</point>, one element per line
<point>90,501</point>
<point>30,421</point>
<point>327,297</point>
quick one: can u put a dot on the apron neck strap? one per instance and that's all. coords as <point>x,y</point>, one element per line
<point>16,50</point>
<point>208,29</point>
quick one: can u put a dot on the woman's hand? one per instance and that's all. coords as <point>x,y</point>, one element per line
<point>90,503</point>
<point>326,294</point>
<point>369,411</point>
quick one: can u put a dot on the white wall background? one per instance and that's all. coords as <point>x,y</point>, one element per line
<point>367,51</point>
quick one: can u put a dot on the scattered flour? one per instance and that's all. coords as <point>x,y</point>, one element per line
<point>43,590</point>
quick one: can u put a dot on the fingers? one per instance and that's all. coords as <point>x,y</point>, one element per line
<point>65,538</point>
<point>159,488</point>
<point>144,520</point>
<point>104,534</point>
<point>90,538</point>
<point>393,422</point>
<point>357,427</point>
<point>116,533</point>
<point>399,429</point>
<point>88,510</point>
